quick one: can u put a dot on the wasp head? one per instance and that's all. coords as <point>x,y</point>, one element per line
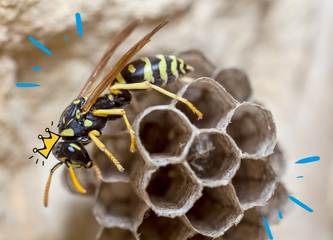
<point>73,153</point>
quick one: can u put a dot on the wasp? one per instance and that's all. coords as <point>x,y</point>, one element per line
<point>82,122</point>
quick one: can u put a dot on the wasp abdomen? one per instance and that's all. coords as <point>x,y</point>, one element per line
<point>159,70</point>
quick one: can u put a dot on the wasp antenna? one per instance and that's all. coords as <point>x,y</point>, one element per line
<point>48,183</point>
<point>46,190</point>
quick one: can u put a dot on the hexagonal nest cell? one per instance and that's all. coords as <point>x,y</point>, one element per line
<point>172,189</point>
<point>215,212</point>
<point>163,134</point>
<point>214,158</point>
<point>154,227</point>
<point>211,99</point>
<point>253,129</point>
<point>255,183</point>
<point>236,82</point>
<point>116,233</point>
<point>117,205</point>
<point>250,228</point>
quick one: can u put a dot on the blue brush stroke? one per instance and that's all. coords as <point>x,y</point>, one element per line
<point>36,68</point>
<point>40,45</point>
<point>267,228</point>
<point>300,177</point>
<point>280,215</point>
<point>301,204</point>
<point>27,85</point>
<point>308,160</point>
<point>66,37</point>
<point>79,24</point>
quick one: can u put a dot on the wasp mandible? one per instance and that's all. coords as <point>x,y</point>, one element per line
<point>83,120</point>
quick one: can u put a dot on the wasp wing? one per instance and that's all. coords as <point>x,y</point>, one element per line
<point>118,67</point>
<point>113,45</point>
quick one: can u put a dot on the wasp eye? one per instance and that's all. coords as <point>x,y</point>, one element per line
<point>71,149</point>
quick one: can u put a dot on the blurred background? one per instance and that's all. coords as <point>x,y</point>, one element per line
<point>284,45</point>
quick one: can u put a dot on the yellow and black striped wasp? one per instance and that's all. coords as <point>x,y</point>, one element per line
<point>83,120</point>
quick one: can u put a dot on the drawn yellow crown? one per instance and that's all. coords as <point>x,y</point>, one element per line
<point>49,143</point>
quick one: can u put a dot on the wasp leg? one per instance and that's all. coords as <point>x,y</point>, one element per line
<point>148,85</point>
<point>94,134</point>
<point>121,112</point>
<point>77,185</point>
<point>97,172</point>
<point>48,183</point>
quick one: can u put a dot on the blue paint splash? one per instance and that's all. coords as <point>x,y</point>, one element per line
<point>267,228</point>
<point>308,160</point>
<point>27,85</point>
<point>79,27</point>
<point>35,42</point>
<point>299,177</point>
<point>280,215</point>
<point>301,204</point>
<point>36,68</point>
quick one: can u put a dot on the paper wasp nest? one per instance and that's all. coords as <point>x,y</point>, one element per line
<point>191,179</point>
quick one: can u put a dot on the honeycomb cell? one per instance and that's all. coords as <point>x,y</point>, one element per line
<point>211,99</point>
<point>254,183</point>
<point>278,202</point>
<point>163,135</point>
<point>236,82</point>
<point>253,129</point>
<point>172,190</point>
<point>214,157</point>
<point>250,228</point>
<point>202,66</point>
<point>154,227</point>
<point>215,212</point>
<point>116,233</point>
<point>117,205</point>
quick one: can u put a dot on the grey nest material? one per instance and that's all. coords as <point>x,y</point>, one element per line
<point>191,179</point>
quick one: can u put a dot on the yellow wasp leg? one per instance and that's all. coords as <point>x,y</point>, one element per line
<point>48,183</point>
<point>94,137</point>
<point>97,171</point>
<point>148,85</point>
<point>121,112</point>
<point>77,185</point>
